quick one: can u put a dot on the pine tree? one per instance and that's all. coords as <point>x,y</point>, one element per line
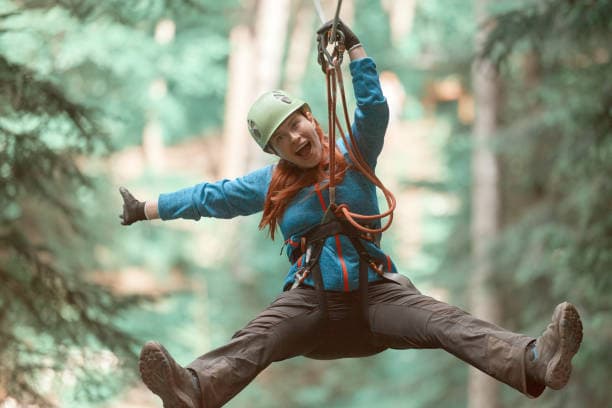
<point>53,319</point>
<point>56,325</point>
<point>556,154</point>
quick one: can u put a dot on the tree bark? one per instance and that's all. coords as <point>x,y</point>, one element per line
<point>271,21</point>
<point>401,18</point>
<point>239,96</point>
<point>300,47</point>
<point>484,390</point>
<point>152,134</point>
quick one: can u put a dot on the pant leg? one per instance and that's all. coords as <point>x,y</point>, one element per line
<point>285,329</point>
<point>401,317</point>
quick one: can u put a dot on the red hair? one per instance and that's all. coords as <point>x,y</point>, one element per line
<point>288,179</point>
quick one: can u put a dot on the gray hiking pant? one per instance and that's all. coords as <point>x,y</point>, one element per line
<point>400,317</point>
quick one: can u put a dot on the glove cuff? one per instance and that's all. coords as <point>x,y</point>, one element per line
<point>141,214</point>
<point>354,46</point>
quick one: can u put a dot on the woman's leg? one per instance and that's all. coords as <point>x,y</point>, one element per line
<point>401,317</point>
<point>287,328</point>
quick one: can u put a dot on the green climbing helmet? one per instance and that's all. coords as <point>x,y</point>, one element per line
<point>268,112</point>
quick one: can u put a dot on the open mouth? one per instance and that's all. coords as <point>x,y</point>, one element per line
<point>304,150</point>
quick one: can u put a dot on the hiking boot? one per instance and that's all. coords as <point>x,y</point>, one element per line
<point>549,360</point>
<point>175,385</point>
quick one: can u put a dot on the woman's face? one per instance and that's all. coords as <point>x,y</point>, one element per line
<point>296,140</point>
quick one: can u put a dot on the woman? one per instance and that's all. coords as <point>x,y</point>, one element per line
<point>343,296</point>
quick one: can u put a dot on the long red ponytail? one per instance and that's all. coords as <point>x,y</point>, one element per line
<point>288,179</point>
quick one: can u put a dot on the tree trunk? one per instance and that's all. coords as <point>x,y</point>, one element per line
<point>484,390</point>
<point>271,21</point>
<point>237,101</point>
<point>300,47</point>
<point>254,67</point>
<point>152,134</point>
<point>401,17</point>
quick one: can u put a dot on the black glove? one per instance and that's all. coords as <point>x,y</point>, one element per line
<point>133,210</point>
<point>350,39</point>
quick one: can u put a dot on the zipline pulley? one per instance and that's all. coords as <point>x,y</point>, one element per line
<point>325,58</point>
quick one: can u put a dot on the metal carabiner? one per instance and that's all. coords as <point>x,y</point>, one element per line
<point>325,58</point>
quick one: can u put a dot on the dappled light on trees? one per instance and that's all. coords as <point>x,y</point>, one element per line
<point>154,94</point>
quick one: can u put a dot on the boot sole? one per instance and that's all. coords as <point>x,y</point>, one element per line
<point>570,331</point>
<point>157,374</point>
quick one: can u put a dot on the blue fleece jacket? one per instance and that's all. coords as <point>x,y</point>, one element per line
<point>245,195</point>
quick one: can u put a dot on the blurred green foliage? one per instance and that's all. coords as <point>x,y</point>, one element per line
<point>554,148</point>
<point>76,81</point>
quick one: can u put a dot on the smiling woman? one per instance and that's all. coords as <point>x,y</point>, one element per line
<point>296,140</point>
<point>342,296</point>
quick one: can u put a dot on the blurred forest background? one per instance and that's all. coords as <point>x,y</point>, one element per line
<point>499,151</point>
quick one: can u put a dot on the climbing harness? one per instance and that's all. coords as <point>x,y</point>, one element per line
<point>311,246</point>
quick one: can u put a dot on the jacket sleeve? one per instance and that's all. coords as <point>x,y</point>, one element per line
<point>222,199</point>
<point>372,112</point>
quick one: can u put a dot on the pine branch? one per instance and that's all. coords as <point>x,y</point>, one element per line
<point>24,93</point>
<point>125,13</point>
<point>546,21</point>
<point>61,306</point>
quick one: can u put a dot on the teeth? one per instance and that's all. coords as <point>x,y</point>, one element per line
<point>301,148</point>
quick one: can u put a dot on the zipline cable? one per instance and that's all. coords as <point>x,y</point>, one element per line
<point>317,5</point>
<point>336,17</point>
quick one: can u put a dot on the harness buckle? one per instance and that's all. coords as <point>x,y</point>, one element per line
<point>300,276</point>
<point>303,271</point>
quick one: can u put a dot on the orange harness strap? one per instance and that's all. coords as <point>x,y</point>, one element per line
<point>334,81</point>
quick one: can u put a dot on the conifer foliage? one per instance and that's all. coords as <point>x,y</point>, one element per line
<point>556,155</point>
<point>52,320</point>
<point>557,150</point>
<point>57,327</point>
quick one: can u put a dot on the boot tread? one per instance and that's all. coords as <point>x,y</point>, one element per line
<point>559,367</point>
<point>156,371</point>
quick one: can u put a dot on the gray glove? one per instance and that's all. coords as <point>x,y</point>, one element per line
<point>350,39</point>
<point>133,210</point>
